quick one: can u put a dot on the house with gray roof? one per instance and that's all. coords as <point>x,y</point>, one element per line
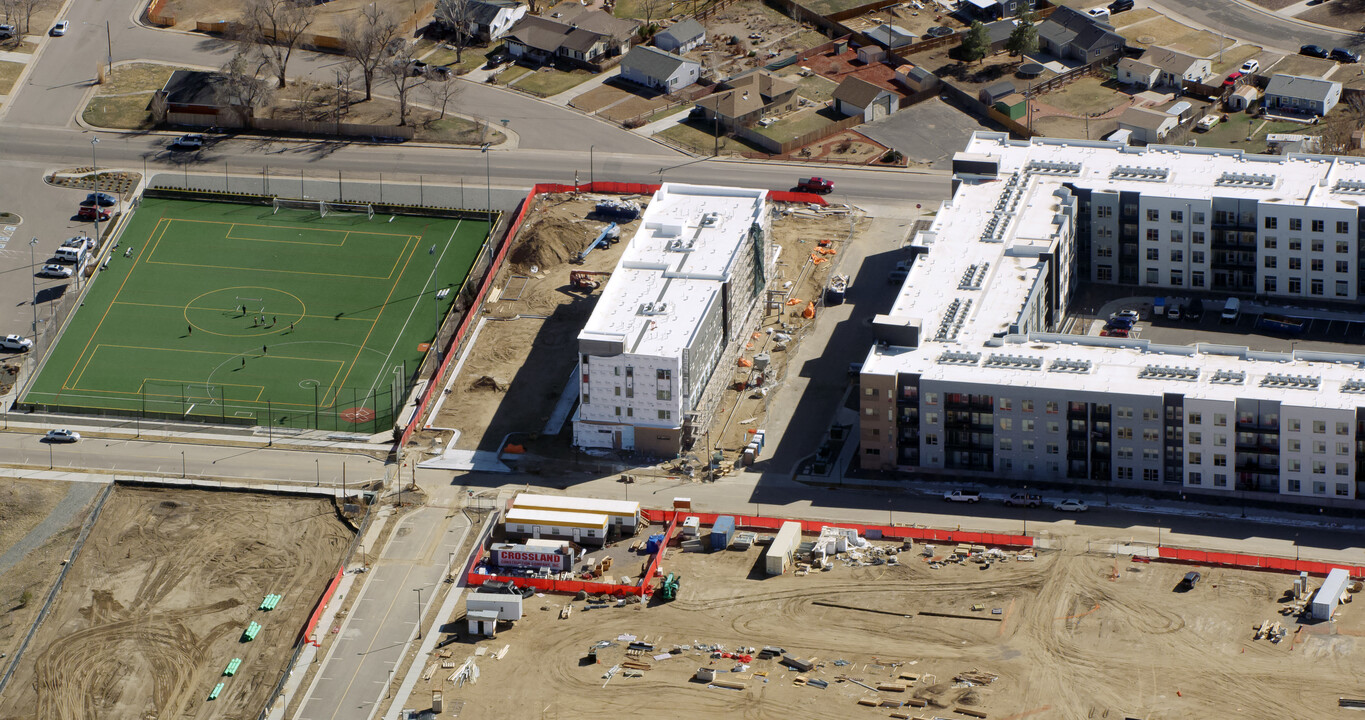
<point>571,35</point>
<point>1177,68</point>
<point>1132,71</point>
<point>1299,94</point>
<point>1067,33</point>
<point>891,36</point>
<point>1148,126</point>
<point>680,37</point>
<point>658,70</point>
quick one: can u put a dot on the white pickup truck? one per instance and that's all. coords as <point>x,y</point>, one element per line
<point>967,496</point>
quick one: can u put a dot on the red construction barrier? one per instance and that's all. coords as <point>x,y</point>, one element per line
<point>1253,562</point>
<point>795,197</point>
<point>890,532</point>
<point>322,604</point>
<point>646,588</point>
<point>556,586</point>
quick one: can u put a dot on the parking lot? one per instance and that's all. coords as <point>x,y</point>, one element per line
<point>1326,333</point>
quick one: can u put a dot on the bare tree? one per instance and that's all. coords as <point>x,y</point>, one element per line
<point>400,70</point>
<point>442,93</point>
<point>276,28</point>
<point>242,82</point>
<point>650,8</point>
<point>369,41</point>
<point>459,15</point>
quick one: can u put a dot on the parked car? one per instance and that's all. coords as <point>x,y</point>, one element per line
<point>188,142</point>
<point>1120,323</point>
<point>87,212</point>
<point>16,343</point>
<point>1115,332</point>
<point>1188,582</point>
<point>7,31</point>
<point>102,199</point>
<point>967,496</point>
<point>1316,51</point>
<point>508,587</point>
<point>1024,499</point>
<point>1132,315</point>
<point>1342,55</point>
<point>54,270</point>
<point>938,31</point>
<point>1119,6</point>
<point>80,241</point>
<point>1070,506</point>
<point>1249,67</point>
<point>59,29</point>
<point>1194,310</point>
<point>62,436</point>
<point>1173,313</point>
<point>1232,78</point>
<point>1207,123</point>
<point>1098,13</point>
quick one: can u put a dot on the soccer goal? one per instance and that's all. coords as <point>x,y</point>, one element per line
<point>330,207</point>
<point>249,305</point>
<point>292,204</point>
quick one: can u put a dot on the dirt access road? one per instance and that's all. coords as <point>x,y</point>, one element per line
<point>153,608</point>
<point>1069,642</point>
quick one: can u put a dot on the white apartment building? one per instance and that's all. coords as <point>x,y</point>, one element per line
<point>970,376</point>
<point>683,292</point>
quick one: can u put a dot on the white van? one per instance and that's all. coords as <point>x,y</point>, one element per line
<point>74,256</point>
<point>1232,309</point>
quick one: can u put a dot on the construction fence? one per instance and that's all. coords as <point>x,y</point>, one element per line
<point>888,532</point>
<point>1254,562</point>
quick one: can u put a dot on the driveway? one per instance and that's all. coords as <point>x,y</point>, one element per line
<point>927,132</point>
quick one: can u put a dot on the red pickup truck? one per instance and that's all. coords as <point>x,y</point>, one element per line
<point>815,185</point>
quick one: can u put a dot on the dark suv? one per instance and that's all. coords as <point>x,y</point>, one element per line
<point>1119,6</point>
<point>1342,55</point>
<point>1316,51</point>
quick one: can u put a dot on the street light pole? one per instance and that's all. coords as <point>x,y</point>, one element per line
<point>182,463</point>
<point>419,612</point>
<point>95,165</point>
<point>317,469</point>
<point>591,178</point>
<point>33,277</point>
<point>488,178</point>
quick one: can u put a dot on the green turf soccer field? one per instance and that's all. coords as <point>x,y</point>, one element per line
<point>238,312</point>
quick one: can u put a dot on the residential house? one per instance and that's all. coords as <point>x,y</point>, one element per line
<point>1132,71</point>
<point>659,70</point>
<point>995,9</point>
<point>748,98</point>
<point>993,92</point>
<point>891,37</point>
<point>489,20</point>
<point>999,33</point>
<point>1299,94</point>
<point>1177,68</point>
<point>1147,126</point>
<point>571,35</point>
<point>1067,33</point>
<point>915,78</point>
<point>856,96</point>
<point>680,37</point>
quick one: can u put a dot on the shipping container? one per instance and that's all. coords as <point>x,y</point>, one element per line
<point>623,513</point>
<point>779,555</point>
<point>1324,603</point>
<point>722,532</point>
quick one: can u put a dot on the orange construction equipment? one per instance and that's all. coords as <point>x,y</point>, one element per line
<point>514,449</point>
<point>809,312</point>
<point>794,301</point>
<point>746,362</point>
<point>583,279</point>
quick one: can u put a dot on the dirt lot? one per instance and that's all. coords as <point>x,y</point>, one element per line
<point>906,16</point>
<point>329,16</point>
<point>154,606</point>
<point>1078,636</point>
<point>1168,33</point>
<point>38,522</point>
<point>778,36</point>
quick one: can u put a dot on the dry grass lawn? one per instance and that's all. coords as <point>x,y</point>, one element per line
<point>599,97</point>
<point>1344,14</point>
<point>635,106</point>
<point>1065,127</point>
<point>9,73</point>
<point>547,83</point>
<point>799,123</point>
<point>136,77</point>
<point>1087,95</point>
<point>1275,4</point>
<point>124,112</point>
<point>1301,65</point>
<point>701,141</point>
<point>1234,57</point>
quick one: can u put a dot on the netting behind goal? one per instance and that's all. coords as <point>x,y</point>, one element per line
<point>291,204</point>
<point>366,208</point>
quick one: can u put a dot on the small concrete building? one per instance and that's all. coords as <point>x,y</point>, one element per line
<point>680,37</point>
<point>1147,126</point>
<point>856,96</point>
<point>483,611</point>
<point>1300,94</point>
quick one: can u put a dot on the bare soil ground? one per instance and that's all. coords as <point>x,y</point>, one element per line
<point>330,16</point>
<point>916,21</point>
<point>155,604</point>
<point>24,584</point>
<point>778,36</point>
<point>1074,639</point>
<point>1344,14</point>
<point>519,366</point>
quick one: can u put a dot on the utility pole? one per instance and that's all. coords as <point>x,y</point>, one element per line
<point>419,612</point>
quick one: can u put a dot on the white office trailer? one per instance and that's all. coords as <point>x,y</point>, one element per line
<point>685,292</point>
<point>484,610</point>
<point>582,528</point>
<point>780,553</point>
<point>622,513</point>
<point>973,376</point>
<point>1324,602</point>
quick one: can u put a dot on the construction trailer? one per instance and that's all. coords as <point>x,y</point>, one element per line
<point>1324,603</point>
<point>623,514</point>
<point>484,610</point>
<point>779,555</point>
<point>582,528</point>
<point>722,532</point>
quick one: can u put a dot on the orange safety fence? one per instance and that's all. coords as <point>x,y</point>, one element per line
<point>322,604</point>
<point>890,532</point>
<point>1254,562</point>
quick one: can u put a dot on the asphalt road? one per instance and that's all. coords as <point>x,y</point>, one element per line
<point>1241,21</point>
<point>380,624</point>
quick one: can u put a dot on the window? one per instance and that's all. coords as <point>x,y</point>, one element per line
<point>1269,284</point>
<point>1315,287</point>
<point>1343,489</point>
<point>630,412</point>
<point>1343,289</point>
<point>1006,424</point>
<point>617,371</point>
<point>1319,467</point>
<point>1195,438</point>
<point>1196,418</point>
<point>630,371</point>
<point>1153,254</point>
<point>1197,257</point>
<point>1153,215</point>
<point>1295,224</point>
<point>1295,286</point>
<point>1197,238</point>
<point>1317,226</point>
<point>1343,428</point>
<point>1295,466</point>
<point>665,395</point>
<point>1053,427</point>
<point>1270,243</point>
<point>1220,480</point>
<point>1220,440</point>
<point>1197,218</point>
<point>1153,276</point>
<point>1151,435</point>
<point>1343,247</point>
<point>1028,445</point>
<point>1319,487</point>
<point>618,410</point>
<point>1153,234</point>
<point>618,390</point>
<point>1319,427</point>
<point>1343,266</point>
<point>1006,443</point>
<point>1177,216</point>
<point>1196,458</point>
<point>1177,236</point>
<point>1028,406</point>
<point>1294,425</point>
<point>1343,469</point>
<point>1052,408</point>
<point>664,375</point>
<point>1196,478</point>
<point>1104,273</point>
<point>1343,449</point>
<point>1319,447</point>
<point>1124,412</point>
<point>1125,453</point>
<point>930,398</point>
<point>1293,485</point>
<point>630,390</point>
<point>1177,277</point>
<point>1220,420</point>
<point>1005,403</point>
<point>1220,460</point>
<point>931,418</point>
<point>1123,473</point>
<point>1295,446</point>
<point>1271,223</point>
<point>1052,448</point>
<point>1270,261</point>
<point>931,439</point>
<point>1104,211</point>
<point>1343,227</point>
<point>1177,256</point>
<point>874,451</point>
<point>1295,263</point>
<point>1149,414</point>
<point>665,414</point>
<point>1151,474</point>
<point>1028,426</point>
<point>1315,265</point>
<point>1124,433</point>
<point>1104,251</point>
<point>1150,454</point>
<point>585,399</point>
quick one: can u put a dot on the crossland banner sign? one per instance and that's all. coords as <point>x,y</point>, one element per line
<point>521,556</point>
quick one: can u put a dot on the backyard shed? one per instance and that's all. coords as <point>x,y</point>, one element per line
<point>780,553</point>
<point>1324,603</point>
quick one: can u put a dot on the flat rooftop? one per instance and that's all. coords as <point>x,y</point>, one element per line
<point>983,263</point>
<point>670,272</point>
